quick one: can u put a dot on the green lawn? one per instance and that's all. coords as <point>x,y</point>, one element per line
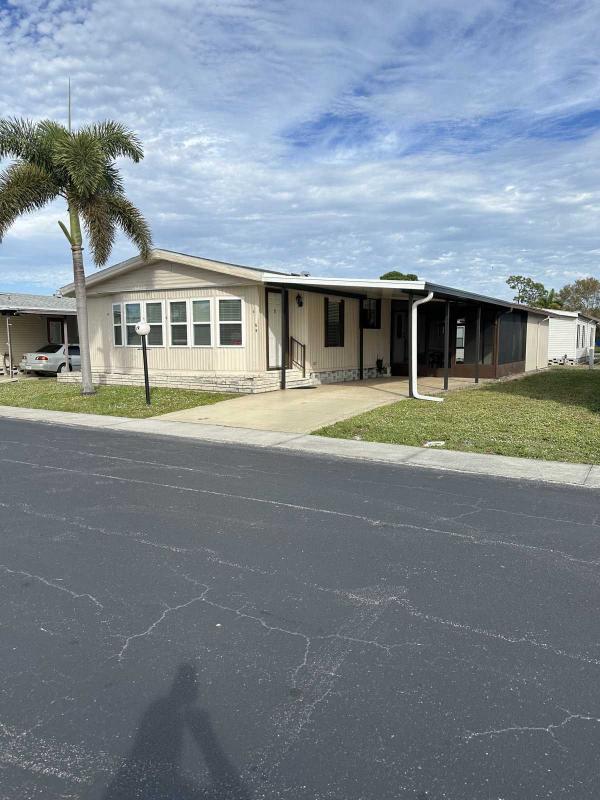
<point>552,415</point>
<point>118,401</point>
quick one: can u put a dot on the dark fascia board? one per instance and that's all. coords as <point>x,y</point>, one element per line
<point>40,312</point>
<point>448,293</point>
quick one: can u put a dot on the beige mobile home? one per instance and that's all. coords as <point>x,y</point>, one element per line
<point>216,325</point>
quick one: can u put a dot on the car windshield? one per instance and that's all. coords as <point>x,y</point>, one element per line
<point>49,348</point>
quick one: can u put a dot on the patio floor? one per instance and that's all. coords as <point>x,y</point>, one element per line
<point>307,410</point>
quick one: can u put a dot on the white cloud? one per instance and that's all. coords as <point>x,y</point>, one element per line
<point>455,140</point>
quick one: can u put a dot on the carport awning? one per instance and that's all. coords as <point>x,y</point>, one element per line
<point>43,305</point>
<point>383,288</point>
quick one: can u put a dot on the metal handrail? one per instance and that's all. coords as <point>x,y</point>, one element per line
<point>298,355</point>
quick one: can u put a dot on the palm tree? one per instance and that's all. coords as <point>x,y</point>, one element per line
<point>51,161</point>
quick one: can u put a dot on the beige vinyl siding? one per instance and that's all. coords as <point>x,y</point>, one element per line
<point>251,357</point>
<point>307,325</point>
<point>377,342</point>
<point>27,334</point>
<point>165,275</point>
<point>318,357</point>
<point>536,354</point>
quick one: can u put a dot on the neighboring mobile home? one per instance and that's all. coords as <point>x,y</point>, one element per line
<point>223,326</point>
<point>29,321</point>
<point>572,333</point>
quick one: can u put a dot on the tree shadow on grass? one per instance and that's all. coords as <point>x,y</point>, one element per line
<point>153,769</point>
<point>570,386</point>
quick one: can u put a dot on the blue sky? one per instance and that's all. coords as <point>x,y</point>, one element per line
<point>457,140</point>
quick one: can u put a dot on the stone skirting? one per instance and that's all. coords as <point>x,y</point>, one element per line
<point>240,384</point>
<point>208,382</point>
<point>342,375</point>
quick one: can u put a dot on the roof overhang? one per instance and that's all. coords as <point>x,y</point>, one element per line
<point>40,312</point>
<point>358,287</point>
<point>249,273</point>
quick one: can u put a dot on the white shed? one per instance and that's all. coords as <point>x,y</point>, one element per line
<point>570,337</point>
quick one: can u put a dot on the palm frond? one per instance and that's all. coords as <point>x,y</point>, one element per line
<point>17,137</point>
<point>116,140</point>
<point>131,221</point>
<point>24,187</point>
<point>100,228</point>
<point>82,158</point>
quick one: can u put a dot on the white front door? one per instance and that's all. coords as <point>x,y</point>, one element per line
<point>274,324</point>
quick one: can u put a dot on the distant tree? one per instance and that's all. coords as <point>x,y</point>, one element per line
<point>527,291</point>
<point>552,300</point>
<point>50,162</point>
<point>395,275</point>
<point>582,295</point>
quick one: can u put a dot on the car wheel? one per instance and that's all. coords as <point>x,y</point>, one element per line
<point>61,368</point>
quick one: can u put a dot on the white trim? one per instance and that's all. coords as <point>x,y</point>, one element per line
<point>242,322</point>
<point>143,316</point>
<point>170,323</point>
<point>114,325</point>
<point>210,323</point>
<point>349,283</point>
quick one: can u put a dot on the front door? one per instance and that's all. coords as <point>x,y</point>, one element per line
<point>399,340</point>
<point>274,330</point>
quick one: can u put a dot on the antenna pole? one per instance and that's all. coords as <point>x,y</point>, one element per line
<point>69,105</point>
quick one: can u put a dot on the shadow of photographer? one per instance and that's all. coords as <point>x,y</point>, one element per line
<point>153,769</point>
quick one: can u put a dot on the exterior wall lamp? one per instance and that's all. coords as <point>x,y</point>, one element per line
<point>299,300</point>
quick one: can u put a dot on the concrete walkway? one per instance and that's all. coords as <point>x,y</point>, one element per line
<point>583,475</point>
<point>306,410</point>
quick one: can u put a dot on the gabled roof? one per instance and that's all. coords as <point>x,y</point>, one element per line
<point>36,303</point>
<point>252,273</point>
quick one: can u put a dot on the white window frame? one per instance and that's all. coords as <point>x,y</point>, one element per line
<point>170,323</point>
<point>211,323</point>
<point>143,316</point>
<point>122,325</point>
<point>218,322</point>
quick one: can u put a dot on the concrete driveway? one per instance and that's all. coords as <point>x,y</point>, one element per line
<point>307,410</point>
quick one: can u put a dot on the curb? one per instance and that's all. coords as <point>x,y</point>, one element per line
<point>557,472</point>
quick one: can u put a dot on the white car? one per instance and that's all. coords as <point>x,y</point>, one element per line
<point>50,359</point>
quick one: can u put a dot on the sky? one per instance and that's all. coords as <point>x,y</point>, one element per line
<point>457,140</point>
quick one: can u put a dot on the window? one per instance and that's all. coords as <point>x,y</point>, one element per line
<point>179,323</point>
<point>133,314</point>
<point>74,350</point>
<point>201,323</point>
<point>460,341</point>
<point>55,331</point>
<point>154,318</point>
<point>230,323</point>
<point>49,348</point>
<point>334,323</point>
<point>117,324</point>
<point>371,313</point>
<point>152,314</point>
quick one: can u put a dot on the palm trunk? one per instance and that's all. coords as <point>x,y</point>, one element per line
<point>87,387</point>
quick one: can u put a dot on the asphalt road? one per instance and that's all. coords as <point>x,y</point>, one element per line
<point>182,620</point>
